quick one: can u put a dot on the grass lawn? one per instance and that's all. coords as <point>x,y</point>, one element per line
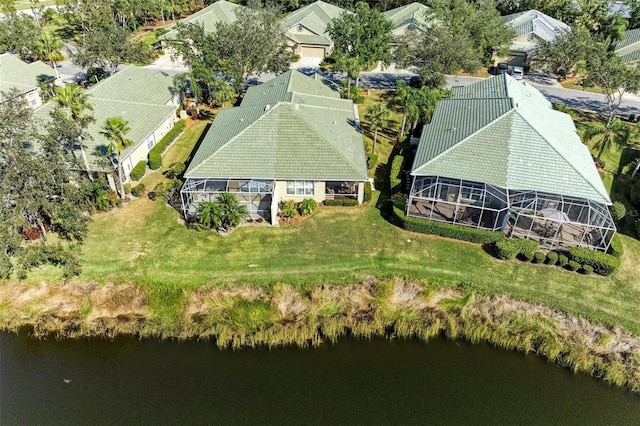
<point>26,4</point>
<point>574,83</point>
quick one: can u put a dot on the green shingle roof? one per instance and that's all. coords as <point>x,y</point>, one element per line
<point>309,137</point>
<point>282,88</point>
<point>315,17</point>
<point>133,94</point>
<point>220,11</point>
<point>629,47</point>
<point>412,13</point>
<point>17,74</point>
<point>509,137</point>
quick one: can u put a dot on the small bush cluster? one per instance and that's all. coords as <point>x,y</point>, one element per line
<point>291,209</point>
<point>307,206</point>
<point>395,179</point>
<point>372,160</point>
<point>510,248</point>
<point>552,258</point>
<point>138,171</point>
<point>586,269</point>
<point>619,210</point>
<point>155,154</point>
<point>563,260</point>
<point>127,188</point>
<point>346,202</point>
<point>573,265</point>
<point>527,256</point>
<point>367,191</point>
<point>288,210</point>
<point>425,226</point>
<point>602,263</point>
<point>539,257</point>
<point>616,248</point>
<point>137,190</point>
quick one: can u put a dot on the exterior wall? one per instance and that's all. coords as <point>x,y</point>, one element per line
<point>280,192</point>
<point>142,151</point>
<point>33,98</point>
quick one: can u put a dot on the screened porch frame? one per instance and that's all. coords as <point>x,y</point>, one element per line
<point>578,222</point>
<point>249,192</point>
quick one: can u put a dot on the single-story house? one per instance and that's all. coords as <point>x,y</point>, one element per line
<point>147,101</point>
<point>16,74</point>
<point>629,47</point>
<point>305,29</point>
<point>531,28</point>
<point>220,11</point>
<point>291,138</point>
<point>497,156</point>
<point>409,19</point>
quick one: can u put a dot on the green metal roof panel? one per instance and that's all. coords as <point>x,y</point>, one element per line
<point>134,84</point>
<point>220,11</point>
<point>543,150</point>
<point>534,22</point>
<point>17,74</point>
<point>629,48</point>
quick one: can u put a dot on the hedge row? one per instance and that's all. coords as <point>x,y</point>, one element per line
<point>138,171</point>
<point>347,202</point>
<point>394,177</point>
<point>367,191</point>
<point>616,248</point>
<point>155,154</point>
<point>510,248</point>
<point>602,263</point>
<point>425,226</point>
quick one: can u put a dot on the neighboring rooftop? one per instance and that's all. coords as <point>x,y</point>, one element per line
<point>412,13</point>
<point>301,131</point>
<point>133,94</point>
<point>220,11</point>
<point>534,24</point>
<point>17,74</point>
<point>629,47</point>
<point>314,17</point>
<point>505,133</point>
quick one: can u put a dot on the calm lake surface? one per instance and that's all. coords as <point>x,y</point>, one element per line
<point>132,382</point>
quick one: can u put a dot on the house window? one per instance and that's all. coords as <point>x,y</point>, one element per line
<point>150,143</point>
<point>33,99</point>
<point>300,28</point>
<point>473,193</point>
<point>300,187</point>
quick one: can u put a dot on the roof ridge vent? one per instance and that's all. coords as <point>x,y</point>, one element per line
<point>266,107</point>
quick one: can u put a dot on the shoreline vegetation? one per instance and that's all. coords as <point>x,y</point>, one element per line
<point>247,316</point>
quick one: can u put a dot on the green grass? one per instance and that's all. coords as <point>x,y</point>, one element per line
<point>26,4</point>
<point>145,243</point>
<point>573,83</point>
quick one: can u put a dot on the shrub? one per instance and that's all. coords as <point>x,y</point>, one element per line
<point>138,171</point>
<point>586,269</point>
<point>616,248</point>
<point>539,257</point>
<point>562,260</point>
<point>138,190</point>
<point>509,248</point>
<point>127,188</point>
<point>346,202</point>
<point>155,154</point>
<point>632,118</point>
<point>425,226</point>
<point>394,177</point>
<point>295,57</point>
<point>152,195</point>
<point>635,194</point>
<point>619,210</point>
<point>573,265</point>
<point>552,258</point>
<point>288,210</point>
<point>367,191</point>
<point>307,206</point>
<point>372,160</point>
<point>602,263</point>
<point>175,170</point>
<point>527,256</point>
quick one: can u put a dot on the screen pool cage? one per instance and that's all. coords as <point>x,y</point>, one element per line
<point>255,194</point>
<point>556,221</point>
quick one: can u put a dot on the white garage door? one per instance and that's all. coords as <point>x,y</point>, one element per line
<point>312,52</point>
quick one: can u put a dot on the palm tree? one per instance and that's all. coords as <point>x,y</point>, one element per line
<point>224,92</point>
<point>352,67</point>
<point>618,134</point>
<point>115,130</point>
<point>377,116</point>
<point>402,102</point>
<point>233,213</point>
<point>49,47</point>
<point>210,214</point>
<point>73,99</point>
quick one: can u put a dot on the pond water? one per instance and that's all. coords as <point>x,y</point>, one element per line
<point>128,381</point>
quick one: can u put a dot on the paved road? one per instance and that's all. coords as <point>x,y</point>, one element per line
<point>379,79</point>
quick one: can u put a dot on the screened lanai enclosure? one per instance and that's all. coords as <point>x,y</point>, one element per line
<point>255,194</point>
<point>556,221</point>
